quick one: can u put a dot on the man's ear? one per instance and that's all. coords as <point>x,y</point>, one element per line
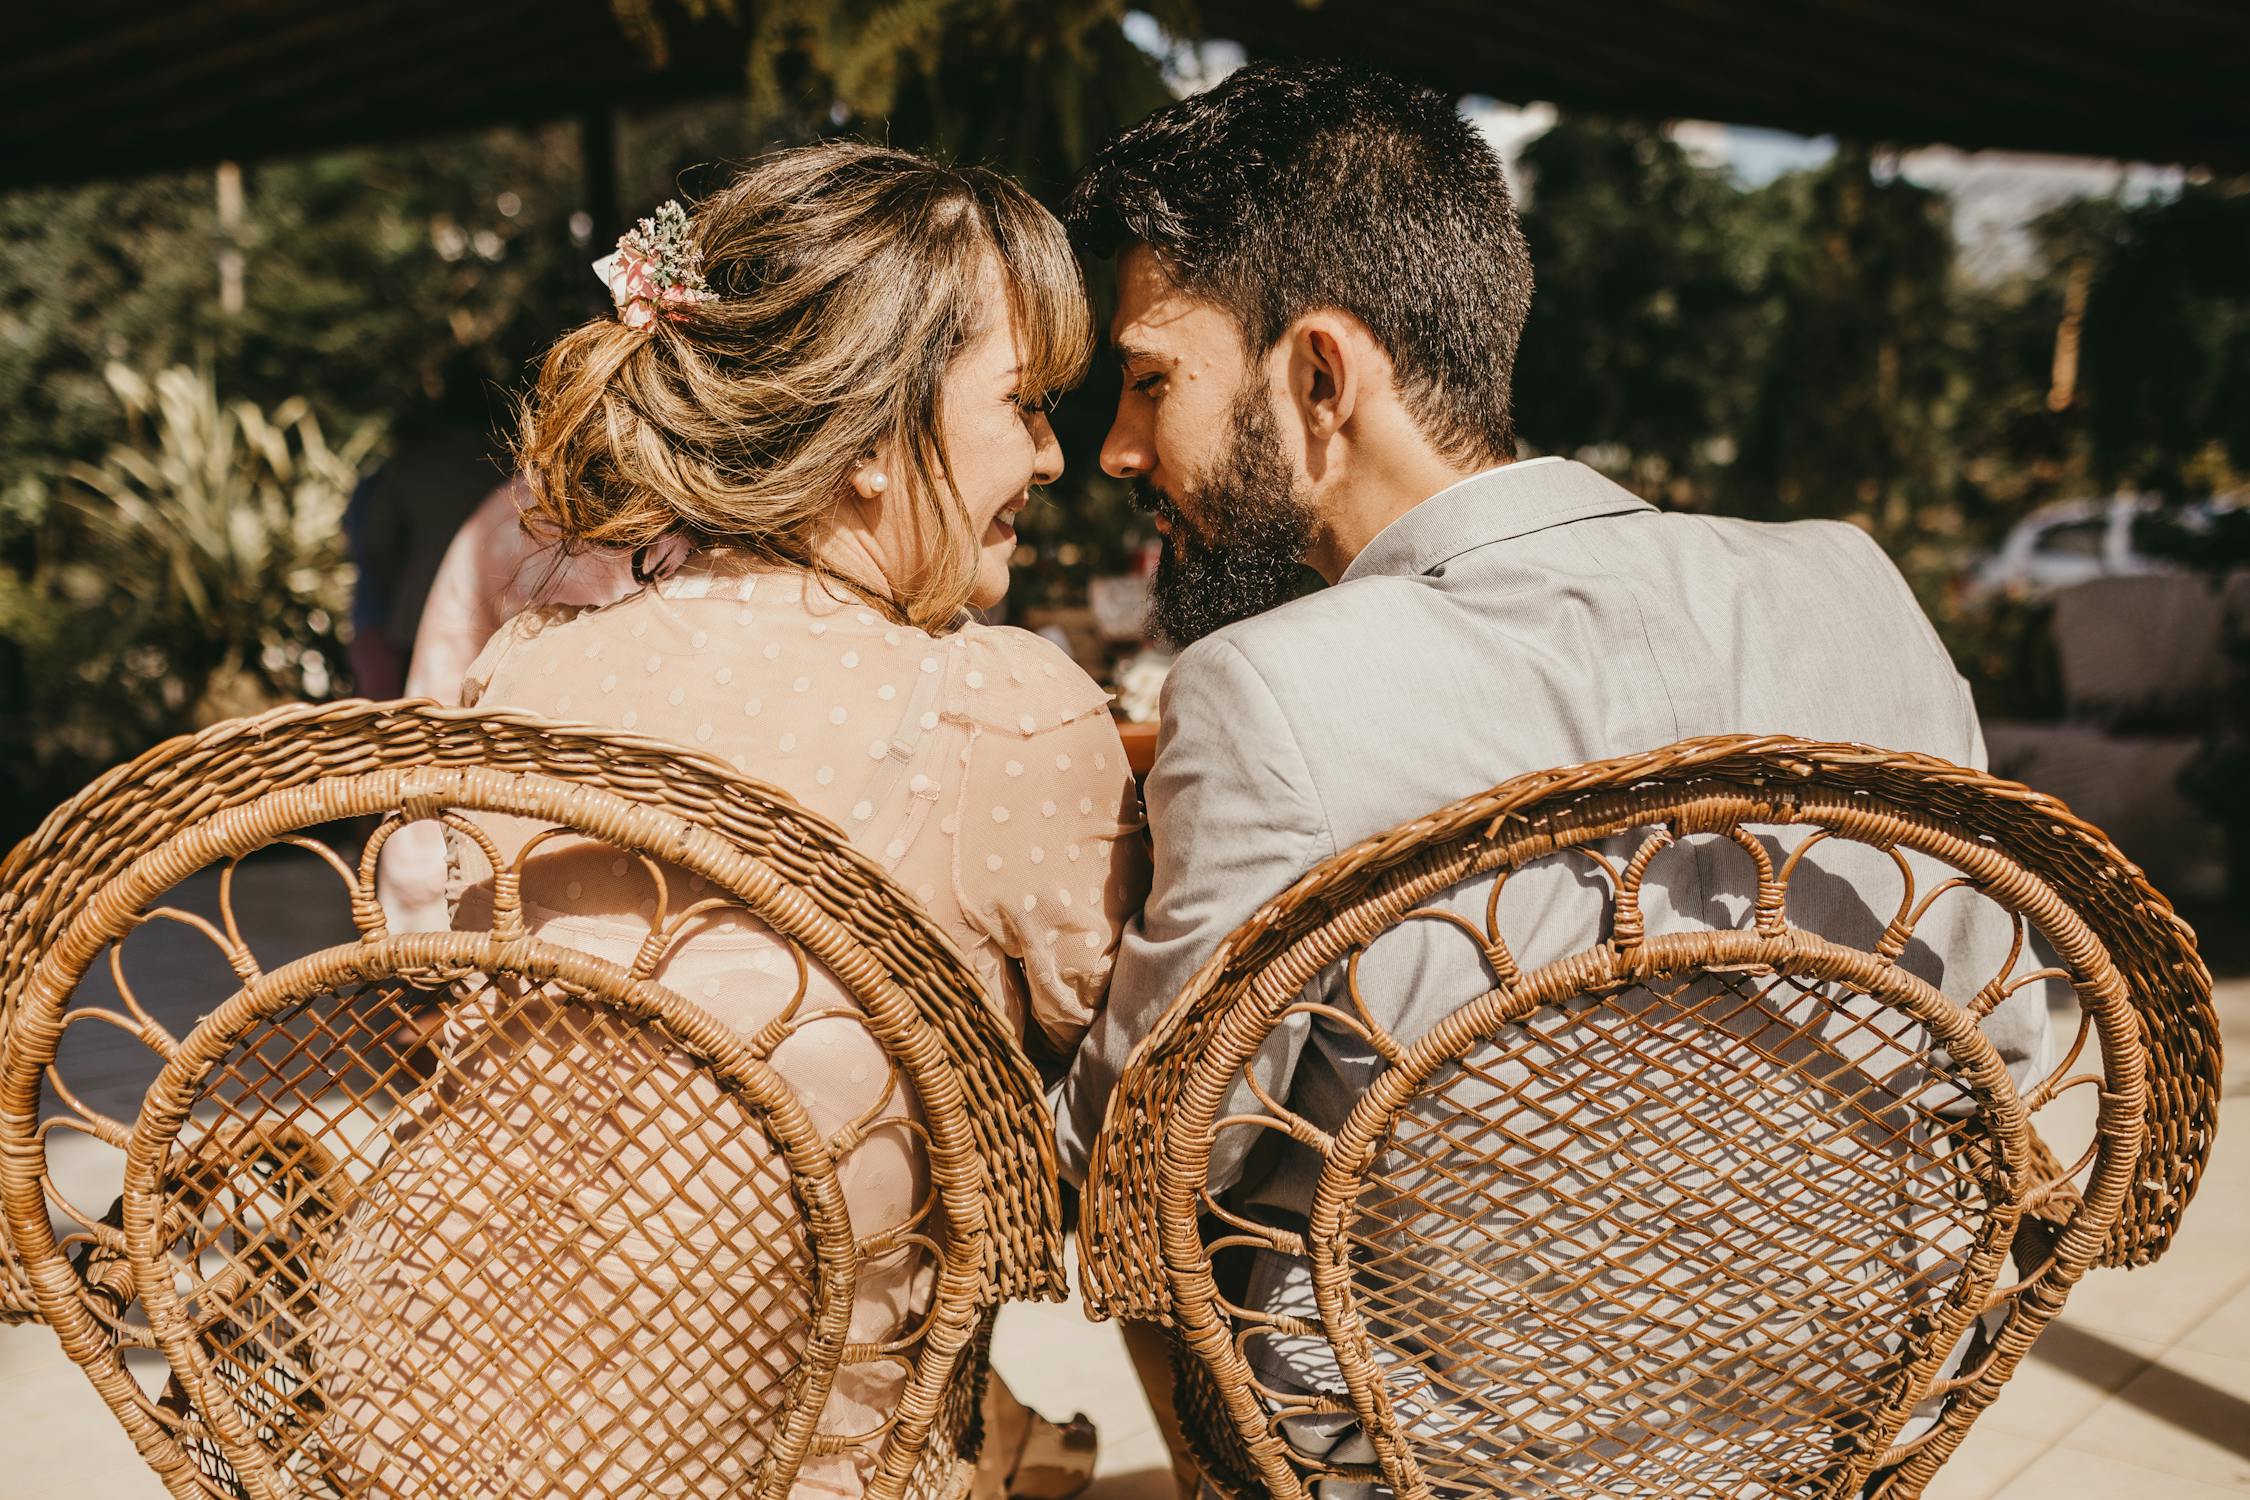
<point>1329,357</point>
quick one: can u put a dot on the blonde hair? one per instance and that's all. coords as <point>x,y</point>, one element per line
<point>847,280</point>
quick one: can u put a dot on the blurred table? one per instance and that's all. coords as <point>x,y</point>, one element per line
<point>1140,744</point>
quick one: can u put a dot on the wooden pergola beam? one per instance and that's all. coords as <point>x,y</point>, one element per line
<point>108,88</point>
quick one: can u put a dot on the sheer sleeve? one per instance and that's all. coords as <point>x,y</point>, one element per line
<point>1050,863</point>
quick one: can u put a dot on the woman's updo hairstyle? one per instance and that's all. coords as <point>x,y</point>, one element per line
<point>847,278</point>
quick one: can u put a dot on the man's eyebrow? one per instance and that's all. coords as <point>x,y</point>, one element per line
<point>1133,354</point>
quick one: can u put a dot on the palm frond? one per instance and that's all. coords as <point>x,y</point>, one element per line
<point>228,520</point>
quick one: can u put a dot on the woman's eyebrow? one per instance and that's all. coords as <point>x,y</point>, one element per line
<point>1134,354</point>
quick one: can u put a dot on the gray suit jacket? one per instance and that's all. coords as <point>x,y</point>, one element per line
<point>1532,616</point>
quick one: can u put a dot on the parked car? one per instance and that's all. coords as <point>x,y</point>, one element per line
<point>2073,541</point>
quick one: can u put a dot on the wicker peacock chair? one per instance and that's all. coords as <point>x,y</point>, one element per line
<point>477,1213</point>
<point>1713,1210</point>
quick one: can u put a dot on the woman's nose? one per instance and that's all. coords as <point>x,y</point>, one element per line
<point>1047,456</point>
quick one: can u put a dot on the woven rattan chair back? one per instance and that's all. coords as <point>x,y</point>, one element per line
<point>1697,1210</point>
<point>490,1212</point>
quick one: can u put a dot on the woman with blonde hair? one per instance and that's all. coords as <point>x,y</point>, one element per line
<point>811,425</point>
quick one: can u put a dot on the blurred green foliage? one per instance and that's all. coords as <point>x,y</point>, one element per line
<point>1812,347</point>
<point>170,543</point>
<point>194,571</point>
<point>375,281</point>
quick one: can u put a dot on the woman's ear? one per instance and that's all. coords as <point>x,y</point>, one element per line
<point>871,479</point>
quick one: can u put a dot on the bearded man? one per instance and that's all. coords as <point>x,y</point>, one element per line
<point>1320,285</point>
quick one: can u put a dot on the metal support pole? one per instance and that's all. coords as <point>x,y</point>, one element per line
<point>597,155</point>
<point>230,206</point>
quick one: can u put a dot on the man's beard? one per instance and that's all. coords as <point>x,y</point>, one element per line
<point>1203,582</point>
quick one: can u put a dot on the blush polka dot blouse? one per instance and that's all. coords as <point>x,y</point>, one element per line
<point>981,767</point>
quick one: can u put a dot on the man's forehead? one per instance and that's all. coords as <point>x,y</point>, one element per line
<point>1154,313</point>
<point>1142,279</point>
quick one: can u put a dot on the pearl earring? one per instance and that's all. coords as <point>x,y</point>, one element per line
<point>878,481</point>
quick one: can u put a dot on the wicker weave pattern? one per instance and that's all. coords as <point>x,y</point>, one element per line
<point>314,1260</point>
<point>1606,1229</point>
<point>271,1213</point>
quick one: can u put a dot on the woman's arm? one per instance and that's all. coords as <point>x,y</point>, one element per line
<point>1049,861</point>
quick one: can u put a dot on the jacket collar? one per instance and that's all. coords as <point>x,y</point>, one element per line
<point>1498,505</point>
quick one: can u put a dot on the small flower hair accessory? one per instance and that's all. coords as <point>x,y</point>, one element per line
<point>655,266</point>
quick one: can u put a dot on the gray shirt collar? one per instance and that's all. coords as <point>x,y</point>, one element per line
<point>1497,505</point>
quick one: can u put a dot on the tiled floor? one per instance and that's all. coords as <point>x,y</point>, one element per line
<point>2142,1389</point>
<point>2143,1386</point>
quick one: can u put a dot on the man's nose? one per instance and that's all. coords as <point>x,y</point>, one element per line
<point>1125,452</point>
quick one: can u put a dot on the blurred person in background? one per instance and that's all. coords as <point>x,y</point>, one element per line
<point>401,520</point>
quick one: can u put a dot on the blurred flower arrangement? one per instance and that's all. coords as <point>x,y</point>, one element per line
<point>1140,685</point>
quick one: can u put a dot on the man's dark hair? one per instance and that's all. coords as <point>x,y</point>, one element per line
<point>1292,187</point>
